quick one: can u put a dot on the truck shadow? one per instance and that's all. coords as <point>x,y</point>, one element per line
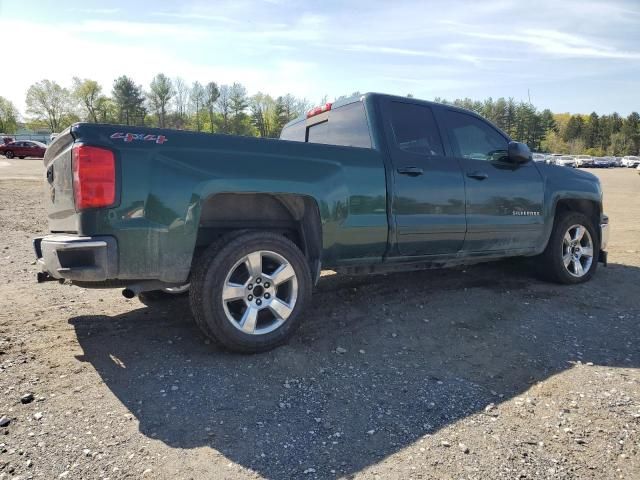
<point>419,351</point>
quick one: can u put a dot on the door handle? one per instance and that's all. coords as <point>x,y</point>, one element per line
<point>478,175</point>
<point>411,171</point>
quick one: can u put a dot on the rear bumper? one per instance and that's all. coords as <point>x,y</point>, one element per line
<point>70,257</point>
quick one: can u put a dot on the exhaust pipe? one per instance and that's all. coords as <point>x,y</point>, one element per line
<point>43,277</point>
<point>128,293</point>
<point>145,286</point>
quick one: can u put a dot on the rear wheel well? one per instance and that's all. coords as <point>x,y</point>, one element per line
<point>294,216</point>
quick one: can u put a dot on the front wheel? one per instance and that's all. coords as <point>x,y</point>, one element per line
<point>249,289</point>
<point>571,255</point>
<point>8,154</point>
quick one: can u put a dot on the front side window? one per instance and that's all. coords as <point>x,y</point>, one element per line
<point>474,138</point>
<point>414,129</point>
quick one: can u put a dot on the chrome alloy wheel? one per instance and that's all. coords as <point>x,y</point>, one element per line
<point>577,251</point>
<point>260,292</point>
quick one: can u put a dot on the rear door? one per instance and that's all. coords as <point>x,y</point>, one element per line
<point>428,187</point>
<point>504,200</point>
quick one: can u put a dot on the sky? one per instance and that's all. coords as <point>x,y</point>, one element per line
<point>567,55</point>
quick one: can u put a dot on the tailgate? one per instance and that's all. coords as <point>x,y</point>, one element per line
<point>61,210</point>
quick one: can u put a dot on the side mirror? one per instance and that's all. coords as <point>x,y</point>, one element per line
<point>518,153</point>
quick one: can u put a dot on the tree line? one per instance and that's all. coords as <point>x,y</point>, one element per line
<point>545,131</point>
<point>166,103</point>
<point>174,103</point>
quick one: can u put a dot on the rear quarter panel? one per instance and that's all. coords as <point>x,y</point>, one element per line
<point>163,187</point>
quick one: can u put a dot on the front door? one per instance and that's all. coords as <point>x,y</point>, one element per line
<point>428,187</point>
<point>504,200</point>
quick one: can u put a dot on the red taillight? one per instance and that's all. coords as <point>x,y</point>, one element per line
<point>318,110</point>
<point>94,177</point>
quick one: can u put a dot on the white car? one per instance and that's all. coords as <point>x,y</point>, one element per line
<point>551,158</point>
<point>584,160</point>
<point>539,157</point>
<point>630,161</point>
<point>565,161</point>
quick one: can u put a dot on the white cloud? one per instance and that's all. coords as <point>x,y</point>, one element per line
<point>443,54</point>
<point>554,43</point>
<point>197,16</point>
<point>141,29</point>
<point>105,61</point>
<point>463,48</point>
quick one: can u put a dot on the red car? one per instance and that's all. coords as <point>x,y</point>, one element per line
<point>22,149</point>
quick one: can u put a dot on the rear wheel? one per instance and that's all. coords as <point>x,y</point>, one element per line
<point>21,158</point>
<point>8,154</point>
<point>571,255</point>
<point>248,291</point>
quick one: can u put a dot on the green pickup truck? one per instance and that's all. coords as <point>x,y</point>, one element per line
<point>370,184</point>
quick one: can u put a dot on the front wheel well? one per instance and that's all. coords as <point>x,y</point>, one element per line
<point>590,208</point>
<point>296,217</point>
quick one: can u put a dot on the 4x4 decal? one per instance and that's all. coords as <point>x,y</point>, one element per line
<point>130,137</point>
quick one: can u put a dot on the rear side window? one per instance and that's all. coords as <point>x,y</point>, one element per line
<point>414,129</point>
<point>474,138</point>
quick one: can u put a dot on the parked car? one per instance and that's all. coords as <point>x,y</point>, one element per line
<point>23,149</point>
<point>613,161</point>
<point>565,161</point>
<point>375,183</point>
<point>583,161</point>
<point>617,161</point>
<point>552,157</point>
<point>539,157</point>
<point>602,162</point>
<point>630,161</point>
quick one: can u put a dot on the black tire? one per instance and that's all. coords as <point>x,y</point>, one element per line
<point>209,275</point>
<point>21,158</point>
<point>8,154</point>
<point>551,265</point>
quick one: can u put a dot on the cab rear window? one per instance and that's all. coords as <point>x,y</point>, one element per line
<point>295,132</point>
<point>345,126</point>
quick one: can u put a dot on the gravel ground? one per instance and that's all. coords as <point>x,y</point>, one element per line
<point>476,373</point>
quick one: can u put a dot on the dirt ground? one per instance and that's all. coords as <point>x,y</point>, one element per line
<point>476,373</point>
